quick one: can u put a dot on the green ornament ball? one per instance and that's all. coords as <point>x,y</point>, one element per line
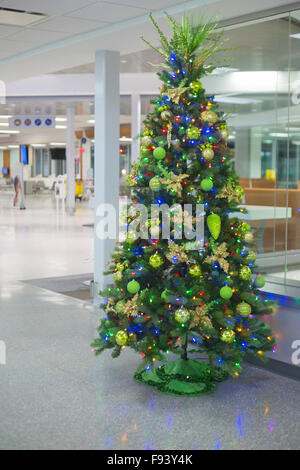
<point>228,336</point>
<point>133,287</point>
<point>155,183</point>
<point>131,237</point>
<point>245,273</point>
<point>159,153</point>
<point>195,271</point>
<point>121,338</point>
<point>156,260</point>
<point>207,184</point>
<point>182,315</point>
<point>193,133</point>
<point>243,309</point>
<point>251,257</point>
<point>260,282</point>
<point>120,306</point>
<point>196,86</point>
<point>226,292</point>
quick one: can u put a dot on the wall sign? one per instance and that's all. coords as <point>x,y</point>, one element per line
<point>32,122</point>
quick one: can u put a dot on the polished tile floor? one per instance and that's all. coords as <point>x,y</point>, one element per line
<point>38,242</point>
<point>56,395</point>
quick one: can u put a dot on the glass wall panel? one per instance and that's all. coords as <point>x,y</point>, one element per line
<point>253,89</point>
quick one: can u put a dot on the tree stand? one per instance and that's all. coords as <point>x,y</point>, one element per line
<point>182,377</point>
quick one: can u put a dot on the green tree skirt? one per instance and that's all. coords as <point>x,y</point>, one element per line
<point>182,378</point>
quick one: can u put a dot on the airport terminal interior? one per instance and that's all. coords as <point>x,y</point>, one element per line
<point>76,84</point>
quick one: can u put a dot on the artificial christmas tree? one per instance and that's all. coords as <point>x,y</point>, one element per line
<point>171,296</point>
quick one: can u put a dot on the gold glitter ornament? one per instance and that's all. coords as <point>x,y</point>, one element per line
<point>224,134</point>
<point>209,116</point>
<point>248,237</point>
<point>182,315</point>
<point>147,141</point>
<point>121,338</point>
<point>156,261</point>
<point>196,86</point>
<point>228,336</point>
<point>195,271</point>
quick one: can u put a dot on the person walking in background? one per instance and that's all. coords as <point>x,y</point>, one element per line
<point>18,188</point>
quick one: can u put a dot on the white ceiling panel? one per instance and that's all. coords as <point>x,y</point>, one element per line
<point>148,4</point>
<point>66,24</point>
<point>6,30</point>
<point>36,37</point>
<point>53,7</point>
<point>13,47</point>
<point>109,12</point>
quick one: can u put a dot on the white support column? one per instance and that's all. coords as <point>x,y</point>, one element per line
<point>255,152</point>
<point>107,134</point>
<point>135,125</point>
<point>70,151</point>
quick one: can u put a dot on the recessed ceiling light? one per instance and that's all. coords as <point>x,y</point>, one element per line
<point>91,121</point>
<point>60,127</point>
<point>9,132</point>
<point>235,100</point>
<point>13,146</point>
<point>220,70</point>
<point>296,36</point>
<point>38,145</point>
<point>58,144</point>
<point>60,119</point>
<point>12,17</point>
<point>4,116</point>
<point>4,124</point>
<point>278,134</point>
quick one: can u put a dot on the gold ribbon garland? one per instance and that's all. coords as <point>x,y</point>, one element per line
<point>131,178</point>
<point>199,317</point>
<point>176,251</point>
<point>227,192</point>
<point>131,307</point>
<point>174,94</point>
<point>110,305</point>
<point>220,254</point>
<point>174,182</point>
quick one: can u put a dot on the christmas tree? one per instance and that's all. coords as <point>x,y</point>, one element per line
<point>171,296</point>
